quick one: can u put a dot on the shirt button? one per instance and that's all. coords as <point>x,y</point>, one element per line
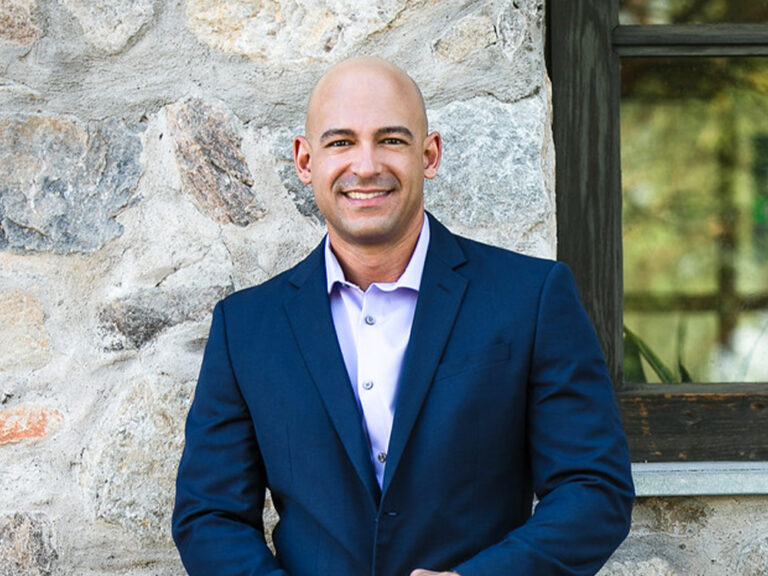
<point>370,320</point>
<point>367,384</point>
<point>382,457</point>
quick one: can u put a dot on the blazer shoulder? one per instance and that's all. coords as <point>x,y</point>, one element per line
<point>503,264</point>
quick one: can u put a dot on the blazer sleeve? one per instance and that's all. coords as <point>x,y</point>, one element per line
<point>578,453</point>
<point>220,487</point>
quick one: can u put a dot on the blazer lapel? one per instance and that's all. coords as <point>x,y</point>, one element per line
<point>440,296</point>
<point>309,313</point>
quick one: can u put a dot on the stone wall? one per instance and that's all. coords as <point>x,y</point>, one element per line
<point>145,172</point>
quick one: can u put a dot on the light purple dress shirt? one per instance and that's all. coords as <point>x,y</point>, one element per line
<point>373,328</point>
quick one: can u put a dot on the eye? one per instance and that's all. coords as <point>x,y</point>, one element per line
<point>393,141</point>
<point>338,143</point>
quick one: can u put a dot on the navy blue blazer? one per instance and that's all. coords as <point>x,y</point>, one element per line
<point>504,394</point>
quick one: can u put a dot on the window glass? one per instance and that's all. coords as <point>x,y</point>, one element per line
<point>694,139</point>
<point>693,11</point>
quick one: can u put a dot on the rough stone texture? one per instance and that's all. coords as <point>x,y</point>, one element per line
<point>471,33</point>
<point>212,167</point>
<point>681,517</point>
<point>493,172</point>
<point>754,557</point>
<point>294,31</point>
<point>27,422</point>
<point>705,536</point>
<point>652,567</point>
<point>300,193</point>
<point>126,468</point>
<point>63,183</point>
<point>19,21</point>
<point>486,27</point>
<point>110,24</point>
<point>26,547</point>
<point>132,321</point>
<point>23,339</point>
<point>513,24</point>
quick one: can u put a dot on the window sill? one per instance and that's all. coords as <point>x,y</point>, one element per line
<point>700,478</point>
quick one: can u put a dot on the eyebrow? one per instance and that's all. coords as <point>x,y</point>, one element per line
<point>402,130</point>
<point>336,132</point>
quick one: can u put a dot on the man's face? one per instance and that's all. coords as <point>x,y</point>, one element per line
<point>366,154</point>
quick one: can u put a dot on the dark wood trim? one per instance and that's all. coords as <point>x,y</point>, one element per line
<point>585,92</point>
<point>648,302</point>
<point>663,422</point>
<point>697,389</point>
<point>710,40</point>
<point>691,35</point>
<point>683,51</point>
<point>726,424</point>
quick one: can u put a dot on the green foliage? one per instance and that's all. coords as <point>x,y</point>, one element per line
<point>636,349</point>
<point>692,11</point>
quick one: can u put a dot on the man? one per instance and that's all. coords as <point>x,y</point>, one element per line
<point>402,392</point>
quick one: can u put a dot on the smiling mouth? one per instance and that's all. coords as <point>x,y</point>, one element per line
<point>357,195</point>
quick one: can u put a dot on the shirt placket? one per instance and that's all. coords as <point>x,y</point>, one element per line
<point>372,382</point>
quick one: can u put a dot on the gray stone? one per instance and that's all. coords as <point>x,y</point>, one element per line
<point>132,482</point>
<point>471,33</point>
<point>679,517</point>
<point>506,26</point>
<point>26,545</point>
<point>300,193</point>
<point>133,321</point>
<point>111,24</point>
<point>129,464</point>
<point>125,324</point>
<point>754,558</point>
<point>19,21</point>
<point>512,25</point>
<point>289,31</point>
<point>491,184</point>
<point>62,183</point>
<point>213,169</point>
<point>270,518</point>
<point>652,567</point>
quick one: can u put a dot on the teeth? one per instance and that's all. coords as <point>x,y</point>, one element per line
<point>364,195</point>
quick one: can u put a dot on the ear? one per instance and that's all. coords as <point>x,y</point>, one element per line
<point>301,159</point>
<point>433,150</point>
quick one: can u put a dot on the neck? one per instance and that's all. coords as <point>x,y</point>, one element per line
<point>364,264</point>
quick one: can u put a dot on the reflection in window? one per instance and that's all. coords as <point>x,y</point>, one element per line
<point>694,137</point>
<point>693,11</point>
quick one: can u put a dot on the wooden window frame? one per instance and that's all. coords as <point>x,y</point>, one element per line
<point>664,423</point>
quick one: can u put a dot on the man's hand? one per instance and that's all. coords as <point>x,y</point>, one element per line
<point>421,572</point>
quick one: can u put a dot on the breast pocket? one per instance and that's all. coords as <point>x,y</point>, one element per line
<point>474,360</point>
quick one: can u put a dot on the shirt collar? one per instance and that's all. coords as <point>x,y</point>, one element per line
<point>410,278</point>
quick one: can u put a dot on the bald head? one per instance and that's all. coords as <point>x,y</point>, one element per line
<point>359,77</point>
<point>366,153</point>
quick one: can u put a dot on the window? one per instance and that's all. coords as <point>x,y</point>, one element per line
<point>661,132</point>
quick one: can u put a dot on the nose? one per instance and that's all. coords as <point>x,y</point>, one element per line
<point>365,162</point>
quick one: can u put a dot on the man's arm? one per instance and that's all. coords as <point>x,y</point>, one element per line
<point>578,453</point>
<point>217,519</point>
